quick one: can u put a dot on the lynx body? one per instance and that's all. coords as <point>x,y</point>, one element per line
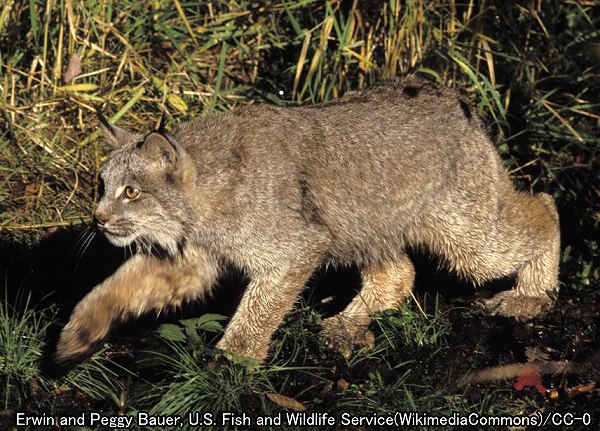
<point>278,192</point>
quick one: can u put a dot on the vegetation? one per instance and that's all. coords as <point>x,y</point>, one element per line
<point>530,67</point>
<point>22,339</point>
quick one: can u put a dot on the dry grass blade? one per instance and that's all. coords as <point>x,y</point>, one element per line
<point>286,402</point>
<point>301,61</point>
<point>185,21</point>
<point>564,122</point>
<point>531,68</point>
<point>73,69</point>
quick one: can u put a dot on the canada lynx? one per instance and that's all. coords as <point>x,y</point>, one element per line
<point>279,191</point>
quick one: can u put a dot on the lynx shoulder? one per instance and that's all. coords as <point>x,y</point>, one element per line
<point>280,191</point>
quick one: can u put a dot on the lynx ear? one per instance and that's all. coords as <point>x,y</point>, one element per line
<point>114,135</point>
<point>159,148</point>
<point>170,155</point>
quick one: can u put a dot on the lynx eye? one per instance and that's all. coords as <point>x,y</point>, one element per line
<point>131,193</point>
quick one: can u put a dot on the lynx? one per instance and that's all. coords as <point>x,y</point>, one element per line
<point>280,191</point>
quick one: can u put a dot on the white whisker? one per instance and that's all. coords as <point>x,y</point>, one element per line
<point>91,234</point>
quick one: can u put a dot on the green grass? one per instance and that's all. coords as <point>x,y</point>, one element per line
<point>402,372</point>
<point>23,331</point>
<point>191,372</point>
<point>21,342</point>
<point>531,68</point>
<point>413,327</point>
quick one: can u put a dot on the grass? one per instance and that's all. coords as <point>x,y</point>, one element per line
<point>409,327</point>
<point>405,372</point>
<point>21,343</point>
<point>530,68</point>
<point>188,383</point>
<point>23,331</point>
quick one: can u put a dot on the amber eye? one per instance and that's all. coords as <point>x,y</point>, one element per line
<point>131,193</point>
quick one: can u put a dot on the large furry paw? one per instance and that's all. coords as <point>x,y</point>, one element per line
<point>343,335</point>
<point>510,303</point>
<point>244,348</point>
<point>80,337</point>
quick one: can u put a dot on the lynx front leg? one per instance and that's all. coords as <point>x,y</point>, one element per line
<point>264,305</point>
<point>385,286</point>
<point>141,284</point>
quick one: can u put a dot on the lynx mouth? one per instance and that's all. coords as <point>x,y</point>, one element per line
<point>119,238</point>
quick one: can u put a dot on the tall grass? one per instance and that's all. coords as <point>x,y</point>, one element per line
<point>531,68</point>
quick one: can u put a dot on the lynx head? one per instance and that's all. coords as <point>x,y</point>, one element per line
<point>146,181</point>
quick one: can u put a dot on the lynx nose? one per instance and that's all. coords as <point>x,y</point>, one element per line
<point>100,218</point>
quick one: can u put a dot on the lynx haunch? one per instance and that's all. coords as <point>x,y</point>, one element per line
<point>279,191</point>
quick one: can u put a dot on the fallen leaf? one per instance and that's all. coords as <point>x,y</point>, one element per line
<point>177,102</point>
<point>286,402</point>
<point>74,69</point>
<point>530,376</point>
<point>570,392</point>
<point>32,188</point>
<point>342,385</point>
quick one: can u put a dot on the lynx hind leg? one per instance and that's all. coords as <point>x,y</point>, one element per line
<point>384,286</point>
<point>536,220</point>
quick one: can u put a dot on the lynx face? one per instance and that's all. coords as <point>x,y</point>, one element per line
<point>143,200</point>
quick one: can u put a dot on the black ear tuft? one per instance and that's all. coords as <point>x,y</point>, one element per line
<point>163,123</point>
<point>103,119</point>
<point>114,135</point>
